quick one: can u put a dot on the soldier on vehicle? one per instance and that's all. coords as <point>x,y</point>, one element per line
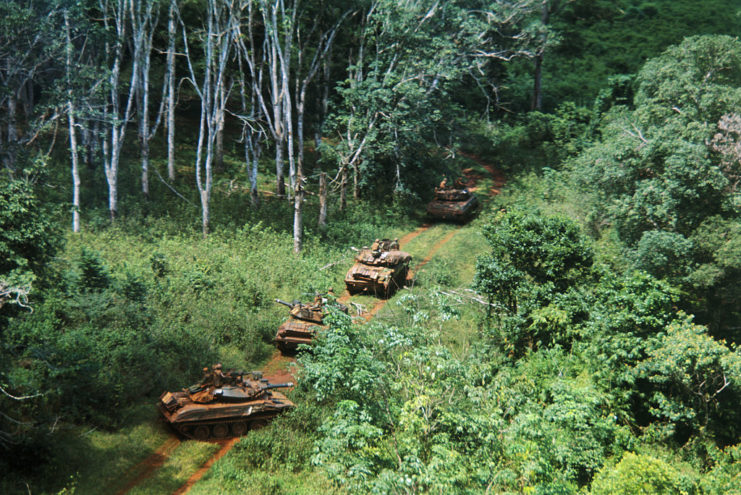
<point>218,376</point>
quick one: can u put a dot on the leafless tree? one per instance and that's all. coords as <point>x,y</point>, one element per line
<point>221,16</point>
<point>170,84</point>
<point>144,20</point>
<point>116,116</point>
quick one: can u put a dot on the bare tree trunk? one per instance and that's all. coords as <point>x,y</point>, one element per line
<point>252,132</point>
<point>96,148</point>
<point>278,51</point>
<point>218,39</point>
<point>205,213</point>
<point>324,101</point>
<point>355,189</point>
<point>86,137</point>
<point>219,151</point>
<point>292,173</point>
<point>279,179</point>
<point>144,20</point>
<point>117,120</point>
<point>72,132</point>
<point>298,202</point>
<point>75,170</point>
<point>252,166</point>
<point>144,142</point>
<point>171,91</point>
<point>300,125</point>
<point>322,223</point>
<point>343,188</point>
<point>277,119</point>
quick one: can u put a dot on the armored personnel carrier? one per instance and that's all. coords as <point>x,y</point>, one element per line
<point>454,203</point>
<point>379,270</point>
<point>305,320</point>
<point>223,404</point>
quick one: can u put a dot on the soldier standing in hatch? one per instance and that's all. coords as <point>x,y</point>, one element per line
<point>219,377</point>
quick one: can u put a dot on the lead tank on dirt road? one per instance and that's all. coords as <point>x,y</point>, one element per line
<point>379,270</point>
<point>455,203</point>
<point>304,322</point>
<point>223,404</point>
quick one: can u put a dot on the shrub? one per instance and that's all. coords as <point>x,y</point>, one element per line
<point>638,474</point>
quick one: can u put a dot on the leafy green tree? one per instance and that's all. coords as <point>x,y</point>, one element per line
<point>654,166</point>
<point>725,471</point>
<point>662,169</point>
<point>695,383</point>
<point>397,98</point>
<point>28,236</point>
<point>637,474</point>
<point>717,255</point>
<point>532,276</point>
<point>627,316</point>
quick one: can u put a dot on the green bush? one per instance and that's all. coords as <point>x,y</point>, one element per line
<point>638,474</point>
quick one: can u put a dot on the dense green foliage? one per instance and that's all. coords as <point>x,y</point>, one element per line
<point>580,336</point>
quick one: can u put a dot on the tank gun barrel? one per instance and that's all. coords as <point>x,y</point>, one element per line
<point>284,303</point>
<point>277,385</point>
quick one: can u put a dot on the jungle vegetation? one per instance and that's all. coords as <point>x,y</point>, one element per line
<point>160,187</point>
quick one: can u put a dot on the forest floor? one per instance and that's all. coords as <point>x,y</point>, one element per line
<point>279,368</point>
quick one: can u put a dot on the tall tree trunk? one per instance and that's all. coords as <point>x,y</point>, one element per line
<point>279,179</point>
<point>220,26</point>
<point>278,135</point>
<point>86,142</point>
<point>112,179</point>
<point>219,151</point>
<point>143,24</point>
<point>324,103</point>
<point>300,127</point>
<point>322,223</point>
<point>205,213</point>
<point>252,111</point>
<point>355,189</point>
<point>290,149</point>
<point>171,91</point>
<point>298,203</point>
<point>252,169</point>
<point>343,188</point>
<point>94,148</point>
<point>116,10</point>
<point>75,169</point>
<point>72,131</point>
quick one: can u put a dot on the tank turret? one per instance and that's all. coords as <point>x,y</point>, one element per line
<point>304,321</point>
<point>379,270</point>
<point>223,404</point>
<point>455,203</point>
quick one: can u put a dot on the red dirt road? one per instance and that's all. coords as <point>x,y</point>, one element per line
<point>226,446</point>
<point>149,465</point>
<point>277,369</point>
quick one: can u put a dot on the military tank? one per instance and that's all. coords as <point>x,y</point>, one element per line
<point>223,404</point>
<point>304,322</point>
<point>453,203</point>
<point>379,270</point>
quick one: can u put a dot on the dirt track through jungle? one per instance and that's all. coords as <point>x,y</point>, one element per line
<point>277,369</point>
